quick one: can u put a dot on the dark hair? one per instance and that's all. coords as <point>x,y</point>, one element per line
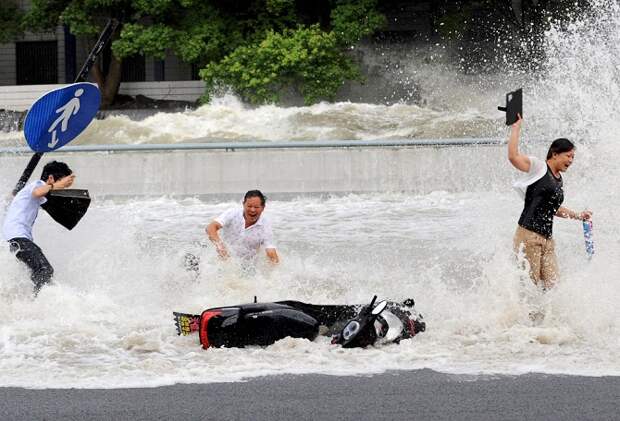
<point>560,145</point>
<point>56,169</point>
<point>255,193</point>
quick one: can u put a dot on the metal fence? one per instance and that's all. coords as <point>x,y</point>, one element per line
<point>203,144</point>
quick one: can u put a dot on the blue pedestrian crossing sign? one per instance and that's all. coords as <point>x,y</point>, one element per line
<point>60,116</point>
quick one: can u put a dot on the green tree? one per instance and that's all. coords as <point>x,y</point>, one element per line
<point>194,29</point>
<point>305,57</point>
<point>10,18</point>
<point>256,47</point>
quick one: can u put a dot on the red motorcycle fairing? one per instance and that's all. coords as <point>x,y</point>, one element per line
<point>204,324</point>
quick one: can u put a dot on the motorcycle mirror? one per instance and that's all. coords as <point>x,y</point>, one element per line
<point>379,308</point>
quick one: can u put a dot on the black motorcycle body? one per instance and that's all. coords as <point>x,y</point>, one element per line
<point>265,323</point>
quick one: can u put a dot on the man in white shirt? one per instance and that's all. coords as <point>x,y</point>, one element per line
<point>22,213</point>
<point>244,230</point>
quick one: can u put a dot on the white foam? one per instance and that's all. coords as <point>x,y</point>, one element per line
<point>119,275</point>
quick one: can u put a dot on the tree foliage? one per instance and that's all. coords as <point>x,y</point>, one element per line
<point>10,17</point>
<point>354,20</point>
<point>305,58</point>
<point>255,47</point>
<point>261,48</point>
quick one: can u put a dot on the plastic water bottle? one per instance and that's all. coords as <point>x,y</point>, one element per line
<point>587,235</point>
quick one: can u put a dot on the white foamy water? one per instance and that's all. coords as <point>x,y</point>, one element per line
<point>229,120</point>
<point>107,320</point>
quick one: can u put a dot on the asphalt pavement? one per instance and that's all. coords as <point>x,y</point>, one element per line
<point>402,395</point>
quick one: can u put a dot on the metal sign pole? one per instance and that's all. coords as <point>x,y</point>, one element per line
<point>90,60</point>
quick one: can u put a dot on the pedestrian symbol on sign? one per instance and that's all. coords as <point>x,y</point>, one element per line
<point>70,108</point>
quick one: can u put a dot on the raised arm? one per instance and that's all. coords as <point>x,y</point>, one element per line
<point>51,184</point>
<point>518,160</point>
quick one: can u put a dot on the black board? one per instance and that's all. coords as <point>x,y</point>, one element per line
<point>514,106</point>
<point>67,206</point>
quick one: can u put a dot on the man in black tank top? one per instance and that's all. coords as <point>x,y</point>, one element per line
<point>543,201</point>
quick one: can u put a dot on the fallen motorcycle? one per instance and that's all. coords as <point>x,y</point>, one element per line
<point>263,324</point>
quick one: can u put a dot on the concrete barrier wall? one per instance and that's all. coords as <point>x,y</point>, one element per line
<point>279,171</point>
<point>21,97</point>
<point>181,90</point>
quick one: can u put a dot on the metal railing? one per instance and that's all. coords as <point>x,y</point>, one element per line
<point>240,145</point>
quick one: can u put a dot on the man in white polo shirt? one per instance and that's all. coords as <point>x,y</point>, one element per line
<point>22,213</point>
<point>244,231</point>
